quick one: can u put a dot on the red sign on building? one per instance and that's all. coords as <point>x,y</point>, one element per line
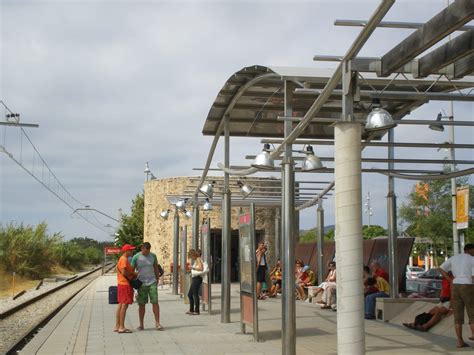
<point>111,250</point>
<point>245,218</point>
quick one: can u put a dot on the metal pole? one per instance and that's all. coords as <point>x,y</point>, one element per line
<point>195,237</point>
<point>288,306</point>
<point>226,233</point>
<point>320,219</point>
<point>277,233</point>
<point>184,259</point>
<point>392,223</point>
<point>175,252</point>
<point>456,248</point>
<point>288,293</point>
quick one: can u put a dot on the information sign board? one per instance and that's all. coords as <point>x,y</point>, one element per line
<point>248,297</point>
<point>462,207</point>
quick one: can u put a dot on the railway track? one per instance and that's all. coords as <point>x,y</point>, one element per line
<point>20,322</point>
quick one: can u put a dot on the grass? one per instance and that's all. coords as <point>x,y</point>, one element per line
<point>21,283</point>
<point>24,283</point>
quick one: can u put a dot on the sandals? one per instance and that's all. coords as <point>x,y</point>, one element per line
<point>124,331</point>
<point>159,327</point>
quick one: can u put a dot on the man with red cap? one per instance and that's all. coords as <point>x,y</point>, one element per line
<point>124,289</point>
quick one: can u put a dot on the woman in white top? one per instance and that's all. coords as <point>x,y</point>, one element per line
<point>193,294</point>
<point>330,279</point>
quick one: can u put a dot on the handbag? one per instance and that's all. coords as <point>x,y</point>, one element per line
<point>136,283</point>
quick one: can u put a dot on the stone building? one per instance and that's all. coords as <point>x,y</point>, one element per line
<point>160,195</point>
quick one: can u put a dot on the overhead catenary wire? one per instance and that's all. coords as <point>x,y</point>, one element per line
<point>51,182</point>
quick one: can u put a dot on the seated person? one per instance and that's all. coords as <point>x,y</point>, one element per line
<point>275,276</point>
<point>328,299</point>
<point>371,286</point>
<point>330,279</point>
<point>383,291</point>
<point>302,280</point>
<point>312,277</point>
<point>425,321</point>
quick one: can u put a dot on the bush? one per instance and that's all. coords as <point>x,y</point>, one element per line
<point>28,251</point>
<point>70,255</point>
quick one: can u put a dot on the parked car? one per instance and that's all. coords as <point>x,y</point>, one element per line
<point>431,274</point>
<point>430,288</point>
<point>427,284</point>
<point>413,272</point>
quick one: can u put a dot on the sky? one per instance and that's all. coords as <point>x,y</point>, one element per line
<point>114,84</point>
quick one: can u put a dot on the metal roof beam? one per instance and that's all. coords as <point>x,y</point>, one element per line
<point>386,160</point>
<point>438,27</point>
<point>331,171</point>
<point>389,24</point>
<point>462,67</point>
<point>448,53</point>
<point>400,122</point>
<point>376,144</point>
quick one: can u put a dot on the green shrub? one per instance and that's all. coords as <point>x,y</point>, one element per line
<point>27,250</point>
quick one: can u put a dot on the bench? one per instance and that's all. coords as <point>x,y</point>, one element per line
<point>388,308</point>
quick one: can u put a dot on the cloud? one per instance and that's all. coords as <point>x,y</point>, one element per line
<point>113,84</point>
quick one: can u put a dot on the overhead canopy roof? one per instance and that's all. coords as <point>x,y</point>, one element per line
<point>253,98</point>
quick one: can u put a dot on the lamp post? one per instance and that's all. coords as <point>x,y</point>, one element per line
<point>368,208</point>
<point>456,247</point>
<point>440,128</point>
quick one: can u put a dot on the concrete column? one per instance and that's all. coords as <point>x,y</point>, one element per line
<point>320,241</point>
<point>349,258</point>
<point>175,252</point>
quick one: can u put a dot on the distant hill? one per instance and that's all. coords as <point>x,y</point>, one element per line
<point>326,229</point>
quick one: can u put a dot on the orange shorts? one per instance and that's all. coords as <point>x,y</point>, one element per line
<point>124,294</point>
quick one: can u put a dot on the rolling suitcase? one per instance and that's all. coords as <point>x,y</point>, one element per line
<point>113,295</point>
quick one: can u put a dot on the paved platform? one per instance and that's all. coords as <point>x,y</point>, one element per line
<point>85,326</point>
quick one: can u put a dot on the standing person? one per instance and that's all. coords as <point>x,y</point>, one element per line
<point>197,270</point>
<point>124,289</point>
<point>462,292</point>
<point>377,271</point>
<point>146,265</point>
<point>261,259</point>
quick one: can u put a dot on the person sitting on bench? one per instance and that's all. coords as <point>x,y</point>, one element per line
<point>329,281</point>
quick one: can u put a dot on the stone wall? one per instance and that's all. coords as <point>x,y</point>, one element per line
<point>159,232</point>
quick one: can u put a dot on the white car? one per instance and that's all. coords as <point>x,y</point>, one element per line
<point>413,272</point>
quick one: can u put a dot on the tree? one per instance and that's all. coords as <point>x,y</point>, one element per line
<point>373,231</point>
<point>428,213</point>
<point>131,227</point>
